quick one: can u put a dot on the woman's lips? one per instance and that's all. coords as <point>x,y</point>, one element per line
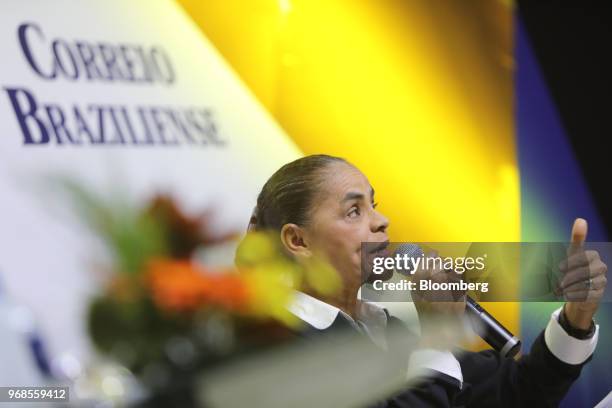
<point>380,247</point>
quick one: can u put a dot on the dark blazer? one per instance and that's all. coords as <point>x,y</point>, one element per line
<point>537,379</point>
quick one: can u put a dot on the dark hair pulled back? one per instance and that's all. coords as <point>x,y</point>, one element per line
<point>288,195</point>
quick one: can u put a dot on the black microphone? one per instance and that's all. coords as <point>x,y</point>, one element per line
<point>485,325</point>
<point>490,330</point>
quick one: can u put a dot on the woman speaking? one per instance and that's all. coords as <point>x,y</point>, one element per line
<point>324,205</point>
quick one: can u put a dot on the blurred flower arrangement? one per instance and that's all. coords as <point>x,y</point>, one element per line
<point>165,315</point>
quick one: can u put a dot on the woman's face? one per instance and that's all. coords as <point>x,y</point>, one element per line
<point>343,216</point>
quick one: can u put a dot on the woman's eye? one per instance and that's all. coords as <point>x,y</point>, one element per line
<point>353,212</point>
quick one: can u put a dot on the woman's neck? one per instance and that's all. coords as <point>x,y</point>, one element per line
<point>346,300</point>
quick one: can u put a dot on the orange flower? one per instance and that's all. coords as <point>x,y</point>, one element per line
<point>184,286</point>
<point>229,291</point>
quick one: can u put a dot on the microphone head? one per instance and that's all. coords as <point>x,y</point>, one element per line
<point>412,251</point>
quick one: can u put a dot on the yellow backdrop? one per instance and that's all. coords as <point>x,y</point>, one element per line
<point>417,94</point>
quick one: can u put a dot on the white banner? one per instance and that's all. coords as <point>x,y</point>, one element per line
<point>125,94</point>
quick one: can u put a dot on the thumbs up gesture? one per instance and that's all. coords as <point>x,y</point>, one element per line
<point>584,279</point>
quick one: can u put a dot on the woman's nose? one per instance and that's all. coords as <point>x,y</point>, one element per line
<point>380,222</point>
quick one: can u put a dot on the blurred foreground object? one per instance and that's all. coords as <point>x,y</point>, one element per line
<point>167,317</point>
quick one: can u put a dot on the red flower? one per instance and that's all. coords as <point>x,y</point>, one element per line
<point>184,233</point>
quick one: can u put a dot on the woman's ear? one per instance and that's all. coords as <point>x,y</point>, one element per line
<point>294,240</point>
